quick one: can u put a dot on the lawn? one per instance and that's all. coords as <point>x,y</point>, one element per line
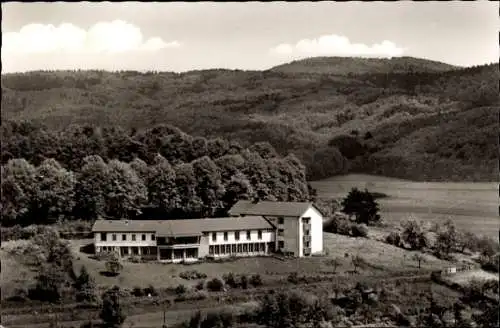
<point>472,206</point>
<point>377,254</point>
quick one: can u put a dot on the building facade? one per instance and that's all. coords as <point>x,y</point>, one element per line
<point>243,234</point>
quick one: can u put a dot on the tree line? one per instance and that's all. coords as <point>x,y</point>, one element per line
<point>87,172</point>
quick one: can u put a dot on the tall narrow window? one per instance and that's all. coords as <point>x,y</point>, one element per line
<point>211,250</point>
<point>248,234</point>
<point>103,236</point>
<point>133,237</point>
<point>153,237</point>
<point>259,234</point>
<point>143,237</point>
<point>225,235</point>
<point>237,235</point>
<point>114,237</point>
<point>124,237</point>
<point>281,220</point>
<point>214,236</point>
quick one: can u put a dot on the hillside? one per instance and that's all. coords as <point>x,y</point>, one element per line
<point>353,65</point>
<point>421,124</point>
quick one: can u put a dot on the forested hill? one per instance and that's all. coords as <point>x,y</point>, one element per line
<point>411,118</point>
<point>353,66</point>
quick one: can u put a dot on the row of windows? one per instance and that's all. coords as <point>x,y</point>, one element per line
<point>239,248</point>
<point>114,237</point>
<point>237,235</point>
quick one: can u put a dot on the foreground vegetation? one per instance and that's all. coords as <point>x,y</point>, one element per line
<point>404,117</point>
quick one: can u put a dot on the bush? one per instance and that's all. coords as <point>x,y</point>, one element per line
<point>393,238</point>
<point>359,230</point>
<point>192,275</point>
<point>256,280</point>
<point>181,289</point>
<point>114,265</point>
<point>244,282</point>
<point>293,278</point>
<point>215,285</point>
<point>137,292</point>
<point>200,285</point>
<point>150,290</point>
<point>230,280</point>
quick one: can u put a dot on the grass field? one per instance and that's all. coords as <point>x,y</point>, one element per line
<point>472,206</point>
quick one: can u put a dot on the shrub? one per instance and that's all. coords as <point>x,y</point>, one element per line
<point>150,290</point>
<point>359,230</point>
<point>114,265</point>
<point>230,280</point>
<point>180,289</point>
<point>192,275</point>
<point>215,285</point>
<point>256,280</point>
<point>200,285</point>
<point>137,291</point>
<point>293,278</point>
<point>414,235</point>
<point>244,282</point>
<point>393,238</point>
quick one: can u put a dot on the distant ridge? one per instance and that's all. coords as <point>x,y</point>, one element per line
<point>358,65</point>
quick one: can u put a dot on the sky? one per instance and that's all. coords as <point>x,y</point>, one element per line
<point>182,36</point>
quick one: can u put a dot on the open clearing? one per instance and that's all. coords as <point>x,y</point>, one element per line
<point>462,278</point>
<point>472,206</point>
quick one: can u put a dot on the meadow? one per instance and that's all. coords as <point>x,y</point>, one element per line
<point>471,206</point>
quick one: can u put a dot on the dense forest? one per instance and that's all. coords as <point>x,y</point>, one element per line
<point>86,172</point>
<point>402,117</point>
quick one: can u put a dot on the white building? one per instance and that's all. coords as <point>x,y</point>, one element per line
<point>294,228</point>
<point>298,225</point>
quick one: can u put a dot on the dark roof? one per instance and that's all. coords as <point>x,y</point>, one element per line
<point>270,208</point>
<point>185,227</point>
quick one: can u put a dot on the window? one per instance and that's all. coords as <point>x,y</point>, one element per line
<point>233,248</point>
<point>135,250</point>
<point>133,237</point>
<point>262,247</point>
<point>248,234</point>
<point>259,234</point>
<point>240,248</point>
<point>217,249</point>
<point>103,236</point>
<point>281,244</point>
<point>306,220</point>
<point>225,236</point>
<point>308,244</point>
<point>228,249</point>
<point>214,236</point>
<point>250,248</point>
<point>307,232</point>
<point>153,237</point>
<point>281,220</point>
<point>124,237</point>
<point>245,248</point>
<point>143,237</point>
<point>237,235</point>
<point>211,250</point>
<point>222,249</point>
<point>114,237</point>
<point>281,232</point>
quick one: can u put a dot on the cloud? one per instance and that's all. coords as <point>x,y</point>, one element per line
<point>338,46</point>
<point>104,37</point>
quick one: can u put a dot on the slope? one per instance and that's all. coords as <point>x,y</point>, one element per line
<point>295,112</point>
